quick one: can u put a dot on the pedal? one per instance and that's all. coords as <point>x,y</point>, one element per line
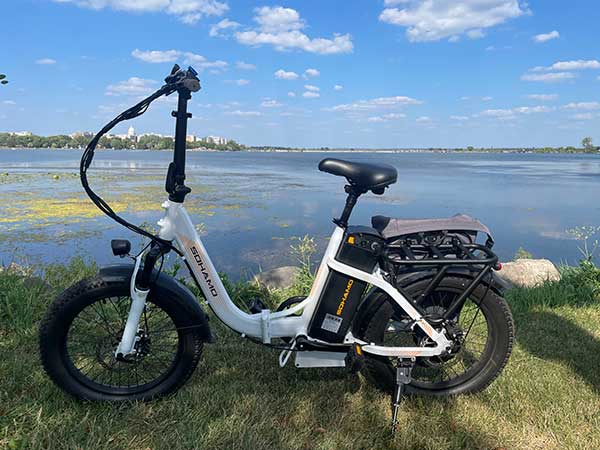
<point>355,359</point>
<point>256,306</point>
<point>403,377</point>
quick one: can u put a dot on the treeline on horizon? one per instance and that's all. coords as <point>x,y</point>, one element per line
<point>149,142</point>
<point>154,142</point>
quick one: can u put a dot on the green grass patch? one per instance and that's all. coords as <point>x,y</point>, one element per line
<point>547,398</point>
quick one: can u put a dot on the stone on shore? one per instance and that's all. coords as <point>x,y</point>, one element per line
<point>279,278</point>
<point>528,272</point>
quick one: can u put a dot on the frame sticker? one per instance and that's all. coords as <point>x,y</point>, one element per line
<point>331,323</point>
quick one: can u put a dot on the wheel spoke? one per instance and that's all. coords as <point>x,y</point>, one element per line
<point>443,370</point>
<point>95,333</point>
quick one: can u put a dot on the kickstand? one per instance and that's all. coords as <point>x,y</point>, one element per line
<point>403,377</point>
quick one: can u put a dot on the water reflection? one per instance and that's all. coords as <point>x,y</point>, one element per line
<point>252,203</point>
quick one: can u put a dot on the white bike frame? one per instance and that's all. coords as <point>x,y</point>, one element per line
<point>177,226</point>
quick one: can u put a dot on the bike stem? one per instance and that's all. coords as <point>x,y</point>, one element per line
<point>185,83</point>
<point>175,184</point>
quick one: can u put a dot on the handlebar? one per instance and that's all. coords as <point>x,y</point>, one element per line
<point>183,79</point>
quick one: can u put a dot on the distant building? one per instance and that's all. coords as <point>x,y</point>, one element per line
<point>217,140</point>
<point>22,133</point>
<point>81,134</point>
<point>191,138</point>
<point>131,134</point>
<point>155,134</point>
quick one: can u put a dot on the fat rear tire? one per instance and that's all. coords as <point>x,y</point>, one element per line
<point>379,370</point>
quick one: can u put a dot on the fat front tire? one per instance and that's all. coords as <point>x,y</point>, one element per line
<point>79,334</point>
<point>479,369</point>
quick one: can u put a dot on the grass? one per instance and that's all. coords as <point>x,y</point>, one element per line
<point>547,398</point>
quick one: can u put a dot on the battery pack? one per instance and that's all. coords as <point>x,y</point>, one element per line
<point>342,294</point>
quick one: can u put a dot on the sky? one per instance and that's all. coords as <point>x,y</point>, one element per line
<point>329,73</point>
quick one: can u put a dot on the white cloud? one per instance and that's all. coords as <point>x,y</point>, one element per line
<point>475,34</point>
<point>487,98</point>
<point>239,113</point>
<point>583,116</point>
<point>338,87</point>
<point>311,94</point>
<point>156,56</point>
<point>432,20</point>
<point>499,113</point>
<point>459,118</point>
<point>164,56</point>
<point>578,64</point>
<point>588,106</point>
<point>542,97</point>
<point>268,103</point>
<point>311,73</point>
<point>46,61</point>
<point>534,109</point>
<point>507,114</point>
<point>225,24</point>
<point>376,103</point>
<point>188,11</point>
<point>291,94</point>
<point>423,119</point>
<point>200,62</point>
<point>281,27</point>
<point>283,75</point>
<point>554,77</point>
<point>132,86</point>
<point>240,82</point>
<point>310,87</point>
<point>385,117</point>
<point>245,66</point>
<point>277,19</point>
<point>544,37</point>
<point>9,102</point>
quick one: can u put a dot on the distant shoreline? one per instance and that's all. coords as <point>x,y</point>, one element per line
<point>341,150</point>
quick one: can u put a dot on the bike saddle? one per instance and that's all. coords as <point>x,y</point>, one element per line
<point>365,176</point>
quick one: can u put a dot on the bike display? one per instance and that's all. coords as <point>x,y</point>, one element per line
<point>413,304</point>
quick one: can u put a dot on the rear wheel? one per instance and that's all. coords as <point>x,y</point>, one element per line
<point>484,337</point>
<point>83,327</point>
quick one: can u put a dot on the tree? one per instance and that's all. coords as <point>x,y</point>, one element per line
<point>587,144</point>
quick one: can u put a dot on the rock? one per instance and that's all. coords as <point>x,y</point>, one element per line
<point>528,272</point>
<point>279,278</point>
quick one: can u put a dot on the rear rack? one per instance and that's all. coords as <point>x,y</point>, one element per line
<point>404,256</point>
<point>457,254</point>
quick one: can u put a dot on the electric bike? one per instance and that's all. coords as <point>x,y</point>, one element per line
<point>415,305</point>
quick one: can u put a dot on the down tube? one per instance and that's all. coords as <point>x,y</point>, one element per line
<point>208,279</point>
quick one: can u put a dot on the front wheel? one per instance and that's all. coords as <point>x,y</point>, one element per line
<point>83,327</point>
<point>486,334</point>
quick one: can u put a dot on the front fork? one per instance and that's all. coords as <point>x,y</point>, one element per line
<point>139,289</point>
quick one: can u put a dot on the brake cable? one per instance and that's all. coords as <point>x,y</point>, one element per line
<point>88,156</point>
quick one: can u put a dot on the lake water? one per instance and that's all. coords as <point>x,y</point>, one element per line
<point>252,205</point>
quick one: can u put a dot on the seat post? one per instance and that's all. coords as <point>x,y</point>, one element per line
<point>353,194</point>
